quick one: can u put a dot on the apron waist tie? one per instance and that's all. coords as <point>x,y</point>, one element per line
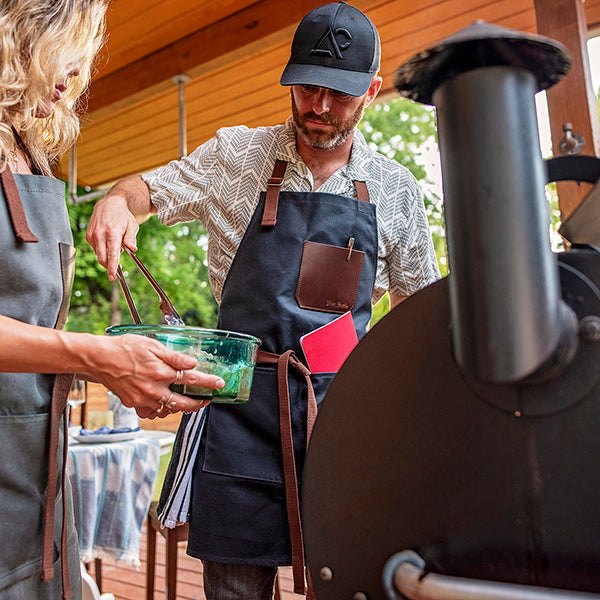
<point>60,392</point>
<point>289,462</point>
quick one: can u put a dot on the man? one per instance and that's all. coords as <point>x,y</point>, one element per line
<point>282,262</point>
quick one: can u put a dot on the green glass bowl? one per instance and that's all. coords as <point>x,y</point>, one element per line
<point>228,354</point>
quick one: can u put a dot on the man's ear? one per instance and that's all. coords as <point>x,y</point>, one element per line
<point>374,89</point>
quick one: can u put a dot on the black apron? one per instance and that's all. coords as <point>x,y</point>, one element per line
<point>238,506</point>
<point>36,275</point>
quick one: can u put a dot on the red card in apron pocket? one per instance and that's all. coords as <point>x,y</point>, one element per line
<point>327,347</point>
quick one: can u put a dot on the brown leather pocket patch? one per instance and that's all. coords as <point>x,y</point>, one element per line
<point>329,277</point>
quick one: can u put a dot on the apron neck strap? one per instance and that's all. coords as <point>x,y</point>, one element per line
<point>35,168</point>
<point>269,218</point>
<point>362,192</point>
<point>15,208</point>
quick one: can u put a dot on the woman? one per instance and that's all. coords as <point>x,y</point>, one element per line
<point>47,49</point>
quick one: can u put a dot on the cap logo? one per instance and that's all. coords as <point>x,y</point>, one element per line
<point>329,44</point>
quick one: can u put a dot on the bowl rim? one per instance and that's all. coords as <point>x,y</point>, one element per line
<point>182,329</point>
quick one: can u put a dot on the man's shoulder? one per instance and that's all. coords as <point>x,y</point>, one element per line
<point>247,148</point>
<point>241,133</point>
<point>369,156</point>
<point>381,170</point>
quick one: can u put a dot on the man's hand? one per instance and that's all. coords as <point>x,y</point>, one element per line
<point>115,221</point>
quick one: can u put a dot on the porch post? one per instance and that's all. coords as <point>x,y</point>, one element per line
<point>572,100</point>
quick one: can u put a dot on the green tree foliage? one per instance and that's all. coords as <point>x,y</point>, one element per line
<point>176,257</point>
<point>90,300</point>
<point>405,131</point>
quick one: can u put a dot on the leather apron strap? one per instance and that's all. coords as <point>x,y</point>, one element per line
<point>15,208</point>
<point>60,393</point>
<point>362,192</point>
<point>272,195</point>
<point>287,447</point>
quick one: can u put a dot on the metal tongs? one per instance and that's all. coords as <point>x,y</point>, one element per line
<point>170,315</point>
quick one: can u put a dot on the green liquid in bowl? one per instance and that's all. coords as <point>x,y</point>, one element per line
<point>228,354</point>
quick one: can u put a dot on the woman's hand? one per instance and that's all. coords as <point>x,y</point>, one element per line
<point>139,370</point>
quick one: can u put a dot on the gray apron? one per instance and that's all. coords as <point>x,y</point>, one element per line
<point>245,506</point>
<point>36,276</point>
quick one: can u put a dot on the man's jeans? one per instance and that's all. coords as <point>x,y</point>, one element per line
<point>238,582</point>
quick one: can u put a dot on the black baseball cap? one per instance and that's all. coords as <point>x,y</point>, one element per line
<point>336,46</point>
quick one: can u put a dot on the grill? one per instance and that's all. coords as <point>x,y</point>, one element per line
<point>460,441</point>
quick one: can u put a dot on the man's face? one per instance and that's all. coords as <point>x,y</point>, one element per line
<point>325,119</point>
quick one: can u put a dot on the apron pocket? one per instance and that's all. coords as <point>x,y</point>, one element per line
<point>244,441</point>
<point>329,277</point>
<point>23,479</point>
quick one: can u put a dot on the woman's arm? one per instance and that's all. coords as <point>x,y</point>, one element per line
<point>137,369</point>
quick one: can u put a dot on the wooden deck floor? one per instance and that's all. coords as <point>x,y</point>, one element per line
<point>129,583</point>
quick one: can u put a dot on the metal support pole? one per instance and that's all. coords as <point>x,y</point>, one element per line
<point>74,199</point>
<point>181,80</point>
<point>90,196</point>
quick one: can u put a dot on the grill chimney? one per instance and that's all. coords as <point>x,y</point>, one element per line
<point>508,319</point>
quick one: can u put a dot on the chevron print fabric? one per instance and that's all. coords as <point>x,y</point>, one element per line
<point>220,184</point>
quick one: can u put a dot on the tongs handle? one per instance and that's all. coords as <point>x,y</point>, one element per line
<point>170,315</point>
<point>168,310</point>
<point>128,297</point>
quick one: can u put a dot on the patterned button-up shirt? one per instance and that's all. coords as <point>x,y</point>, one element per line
<point>220,184</point>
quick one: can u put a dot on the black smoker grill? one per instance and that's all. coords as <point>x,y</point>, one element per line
<point>457,453</point>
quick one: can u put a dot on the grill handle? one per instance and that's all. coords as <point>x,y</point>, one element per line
<point>405,576</point>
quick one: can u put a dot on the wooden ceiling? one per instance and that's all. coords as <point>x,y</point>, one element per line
<point>233,51</point>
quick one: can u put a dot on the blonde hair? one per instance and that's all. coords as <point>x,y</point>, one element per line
<point>41,42</point>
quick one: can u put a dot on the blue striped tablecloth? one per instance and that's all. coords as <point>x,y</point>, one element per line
<point>112,486</point>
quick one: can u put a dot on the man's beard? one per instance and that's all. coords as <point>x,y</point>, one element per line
<point>331,138</point>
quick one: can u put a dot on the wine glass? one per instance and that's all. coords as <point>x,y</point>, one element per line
<point>77,397</point>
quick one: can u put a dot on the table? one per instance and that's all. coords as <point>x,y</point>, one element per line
<point>112,486</point>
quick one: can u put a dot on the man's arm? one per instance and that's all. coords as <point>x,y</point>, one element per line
<point>115,221</point>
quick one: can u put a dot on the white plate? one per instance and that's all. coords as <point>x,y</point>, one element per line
<point>103,438</point>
